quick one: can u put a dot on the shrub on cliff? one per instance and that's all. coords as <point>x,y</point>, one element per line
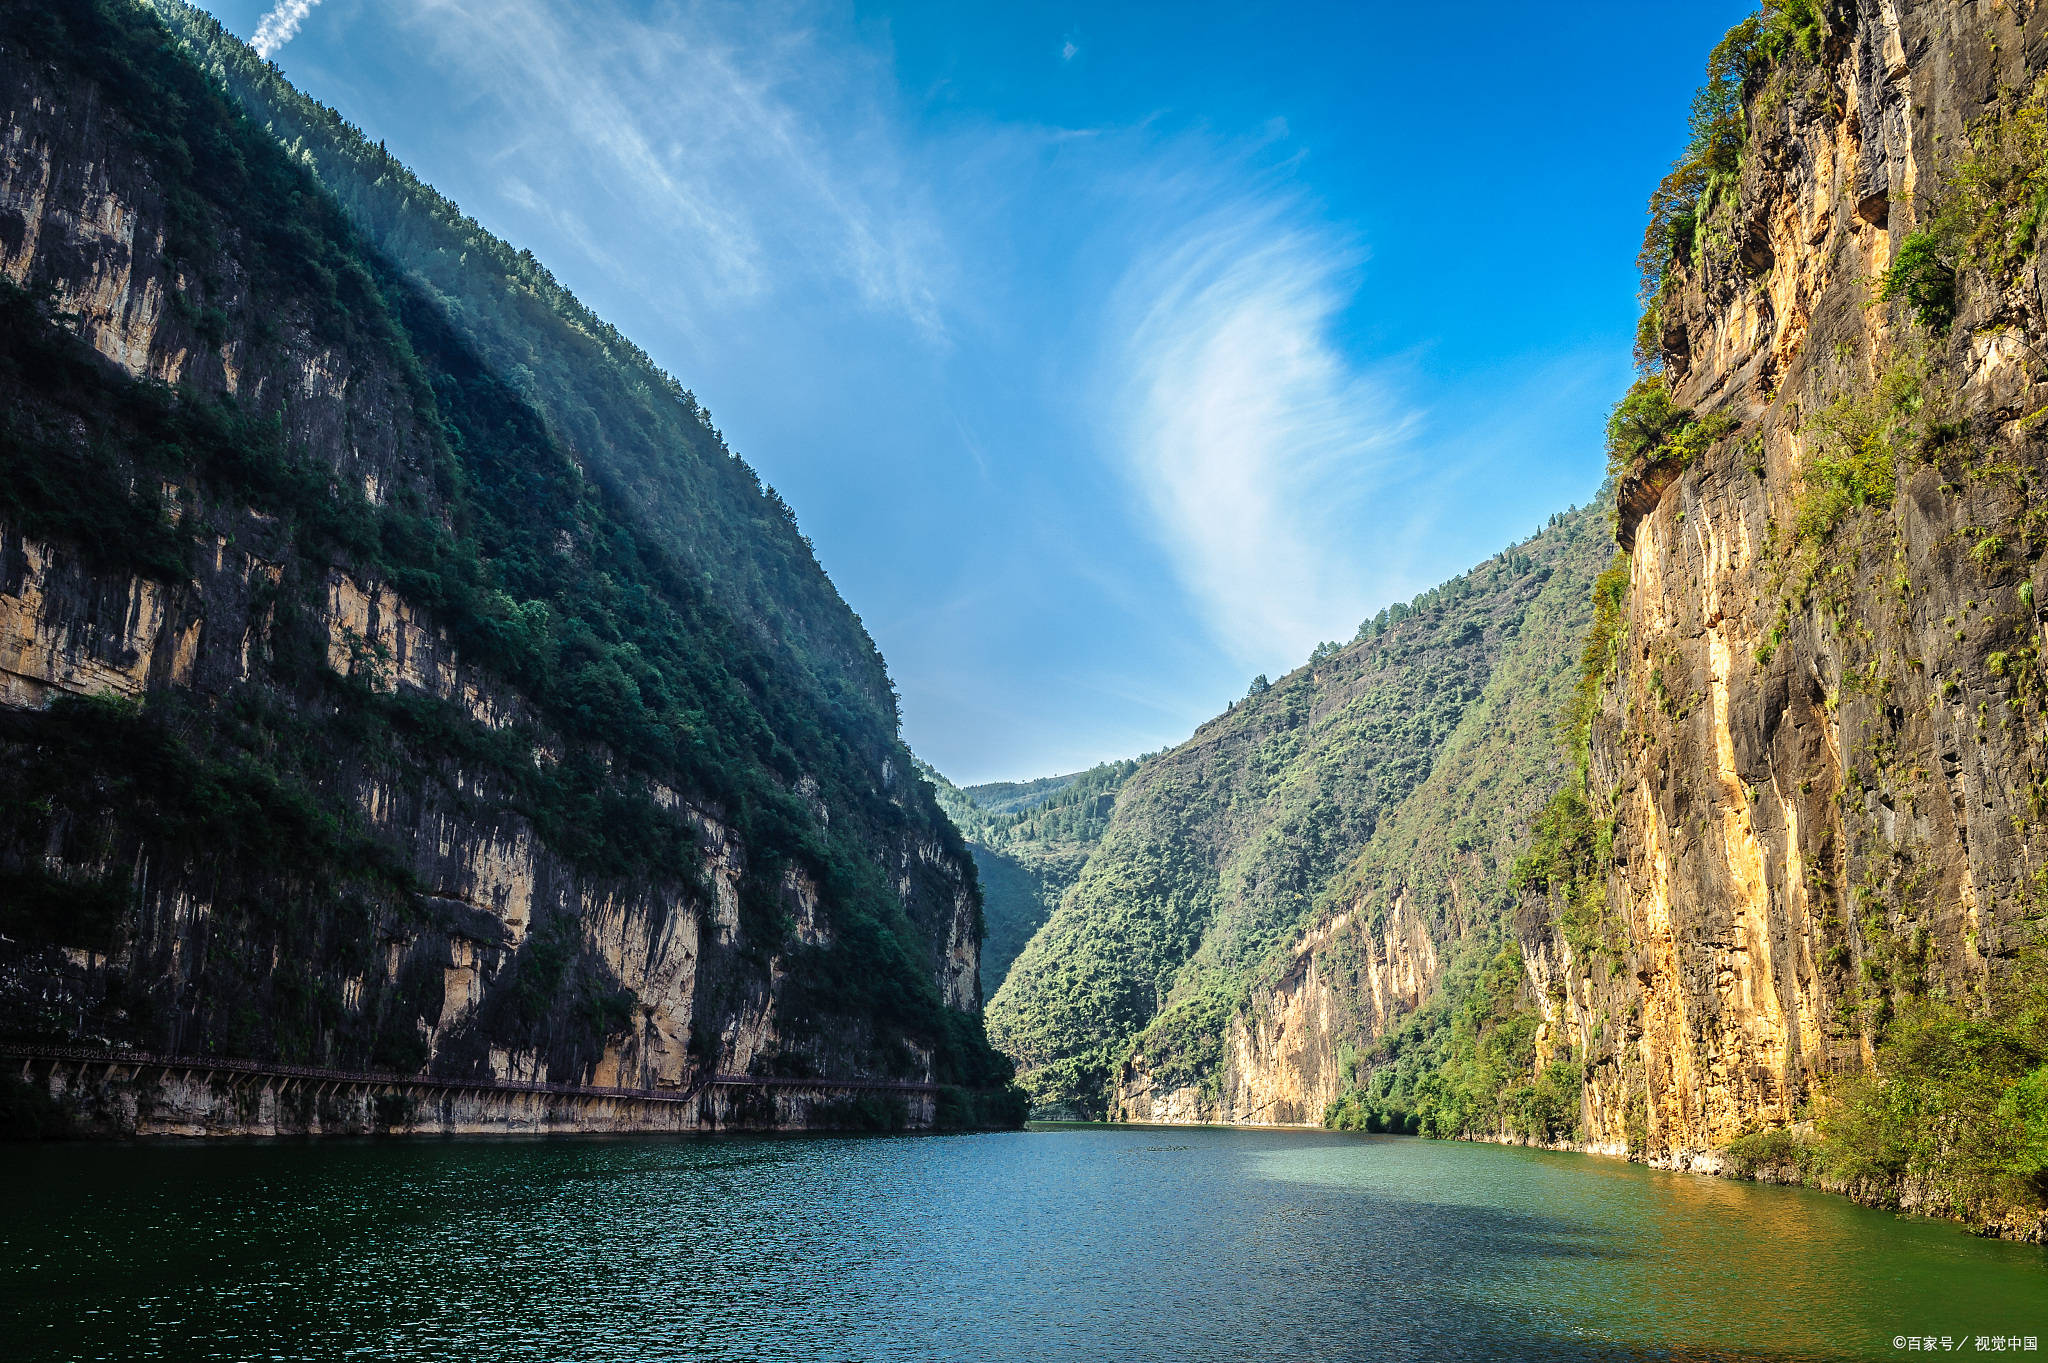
<point>1640,423</point>
<point>1988,217</point>
<point>1647,427</point>
<point>1956,1110</point>
<point>1924,275</point>
<point>1858,440</point>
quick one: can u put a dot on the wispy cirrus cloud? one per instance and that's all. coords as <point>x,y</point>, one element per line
<point>1256,442</point>
<point>280,26</point>
<point>1071,396</point>
<point>722,132</point>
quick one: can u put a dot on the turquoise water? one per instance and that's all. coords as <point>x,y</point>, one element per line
<point>1076,1243</point>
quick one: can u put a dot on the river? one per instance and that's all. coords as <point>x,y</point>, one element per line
<point>1062,1243</point>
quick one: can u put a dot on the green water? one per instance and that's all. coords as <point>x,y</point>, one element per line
<point>1091,1243</point>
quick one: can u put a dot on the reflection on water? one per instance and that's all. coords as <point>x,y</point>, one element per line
<point>1083,1243</point>
<point>1678,1261</point>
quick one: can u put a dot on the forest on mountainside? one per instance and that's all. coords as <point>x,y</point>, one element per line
<point>640,433</point>
<point>1029,840</point>
<point>565,680</point>
<point>1220,849</point>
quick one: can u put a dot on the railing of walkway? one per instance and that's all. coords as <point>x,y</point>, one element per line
<point>86,1056</point>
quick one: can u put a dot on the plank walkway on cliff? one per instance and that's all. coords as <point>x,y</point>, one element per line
<point>322,1081</point>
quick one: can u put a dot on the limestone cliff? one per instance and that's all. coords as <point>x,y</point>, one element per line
<point>344,719</point>
<point>1822,747</point>
<point>1797,873</point>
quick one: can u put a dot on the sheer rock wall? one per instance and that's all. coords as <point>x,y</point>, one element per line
<point>84,213</point>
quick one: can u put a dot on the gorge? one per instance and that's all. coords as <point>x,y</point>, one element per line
<point>1784,862</point>
<point>416,719</point>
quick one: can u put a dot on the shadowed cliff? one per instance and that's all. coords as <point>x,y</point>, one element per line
<point>353,714</point>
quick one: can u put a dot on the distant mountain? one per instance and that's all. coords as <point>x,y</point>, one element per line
<point>1404,943</point>
<point>1015,797</point>
<point>1029,839</point>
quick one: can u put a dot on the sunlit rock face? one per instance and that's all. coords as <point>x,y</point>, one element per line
<point>442,904</point>
<point>1821,747</point>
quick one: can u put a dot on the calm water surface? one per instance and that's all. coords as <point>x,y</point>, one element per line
<point>1088,1243</point>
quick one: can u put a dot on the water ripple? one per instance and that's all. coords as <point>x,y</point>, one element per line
<point>1067,1244</point>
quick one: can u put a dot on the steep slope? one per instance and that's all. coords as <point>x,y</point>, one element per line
<point>638,432</point>
<point>1783,916</point>
<point>1434,886</point>
<point>347,719</point>
<point>1029,840</point>
<point>1822,741</point>
<point>1217,849</point>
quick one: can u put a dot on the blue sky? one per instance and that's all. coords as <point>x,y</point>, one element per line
<point>1108,357</point>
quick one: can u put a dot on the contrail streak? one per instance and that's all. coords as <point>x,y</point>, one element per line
<point>281,25</point>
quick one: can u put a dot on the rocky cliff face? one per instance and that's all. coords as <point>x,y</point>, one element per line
<point>1822,746</point>
<point>343,720</point>
<point>1800,869</point>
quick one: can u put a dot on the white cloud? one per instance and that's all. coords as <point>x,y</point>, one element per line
<point>1255,442</point>
<point>724,136</point>
<point>280,26</point>
<point>1069,50</point>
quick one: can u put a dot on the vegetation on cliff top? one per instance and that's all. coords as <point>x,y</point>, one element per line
<point>1701,186</point>
<point>1071,808</point>
<point>644,437</point>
